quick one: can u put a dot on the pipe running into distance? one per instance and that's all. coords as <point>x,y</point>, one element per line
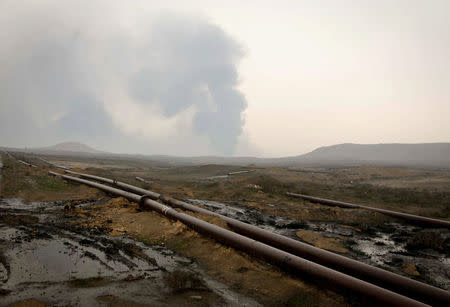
<point>289,262</point>
<point>383,278</point>
<point>424,221</point>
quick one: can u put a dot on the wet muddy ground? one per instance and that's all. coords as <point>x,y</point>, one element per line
<point>76,253</point>
<point>44,259</point>
<point>419,253</point>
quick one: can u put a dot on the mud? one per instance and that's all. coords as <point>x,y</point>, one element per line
<point>46,261</point>
<point>250,215</point>
<point>77,252</point>
<point>389,245</point>
<point>1,166</point>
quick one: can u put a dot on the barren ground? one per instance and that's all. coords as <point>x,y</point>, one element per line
<point>260,196</point>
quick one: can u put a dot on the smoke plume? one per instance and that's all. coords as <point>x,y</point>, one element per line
<point>86,71</point>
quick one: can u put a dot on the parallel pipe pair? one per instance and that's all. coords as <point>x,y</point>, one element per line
<point>278,257</point>
<point>357,269</point>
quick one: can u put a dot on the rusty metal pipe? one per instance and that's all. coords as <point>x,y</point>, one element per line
<point>242,172</point>
<point>119,184</point>
<point>424,221</point>
<point>281,258</point>
<point>392,281</point>
<point>27,164</point>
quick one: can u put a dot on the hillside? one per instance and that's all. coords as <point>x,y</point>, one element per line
<point>431,154</point>
<point>435,155</point>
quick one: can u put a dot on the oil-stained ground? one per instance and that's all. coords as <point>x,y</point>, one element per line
<point>60,237</point>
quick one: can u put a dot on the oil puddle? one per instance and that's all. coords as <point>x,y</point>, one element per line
<point>249,215</point>
<point>18,204</point>
<point>60,258</point>
<point>412,251</point>
<point>45,260</point>
<point>378,247</point>
<point>391,246</point>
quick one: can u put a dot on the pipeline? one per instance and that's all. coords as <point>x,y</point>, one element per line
<point>242,172</point>
<point>424,221</point>
<point>283,259</point>
<point>27,164</point>
<point>143,180</point>
<point>392,281</point>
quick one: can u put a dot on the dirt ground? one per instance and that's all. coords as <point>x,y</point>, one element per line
<point>262,190</point>
<point>255,278</point>
<point>117,217</point>
<point>418,191</point>
<point>34,184</point>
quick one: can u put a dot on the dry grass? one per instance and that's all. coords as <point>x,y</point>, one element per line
<point>424,192</point>
<point>34,184</point>
<point>252,277</point>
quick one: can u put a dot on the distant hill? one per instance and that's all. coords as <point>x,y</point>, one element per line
<point>436,155</point>
<point>73,147</point>
<point>428,154</point>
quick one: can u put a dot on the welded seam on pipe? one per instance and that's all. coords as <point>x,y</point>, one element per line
<point>264,251</point>
<point>361,270</point>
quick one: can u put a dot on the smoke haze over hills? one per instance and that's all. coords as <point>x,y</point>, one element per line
<point>435,155</point>
<point>195,78</point>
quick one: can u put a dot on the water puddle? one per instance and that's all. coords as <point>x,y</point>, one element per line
<point>59,259</point>
<point>63,266</point>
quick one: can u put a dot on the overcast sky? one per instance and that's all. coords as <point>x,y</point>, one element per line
<point>264,78</point>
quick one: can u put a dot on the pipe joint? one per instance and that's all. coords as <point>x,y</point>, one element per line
<point>142,199</point>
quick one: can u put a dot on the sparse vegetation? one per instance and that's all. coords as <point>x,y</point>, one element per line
<point>270,184</point>
<point>179,245</point>
<point>304,299</point>
<point>49,183</point>
<point>34,184</point>
<point>150,242</point>
<point>263,189</point>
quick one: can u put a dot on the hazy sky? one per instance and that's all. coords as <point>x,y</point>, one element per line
<point>265,78</point>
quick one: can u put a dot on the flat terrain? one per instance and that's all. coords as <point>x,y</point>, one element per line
<point>257,197</point>
<point>418,191</point>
